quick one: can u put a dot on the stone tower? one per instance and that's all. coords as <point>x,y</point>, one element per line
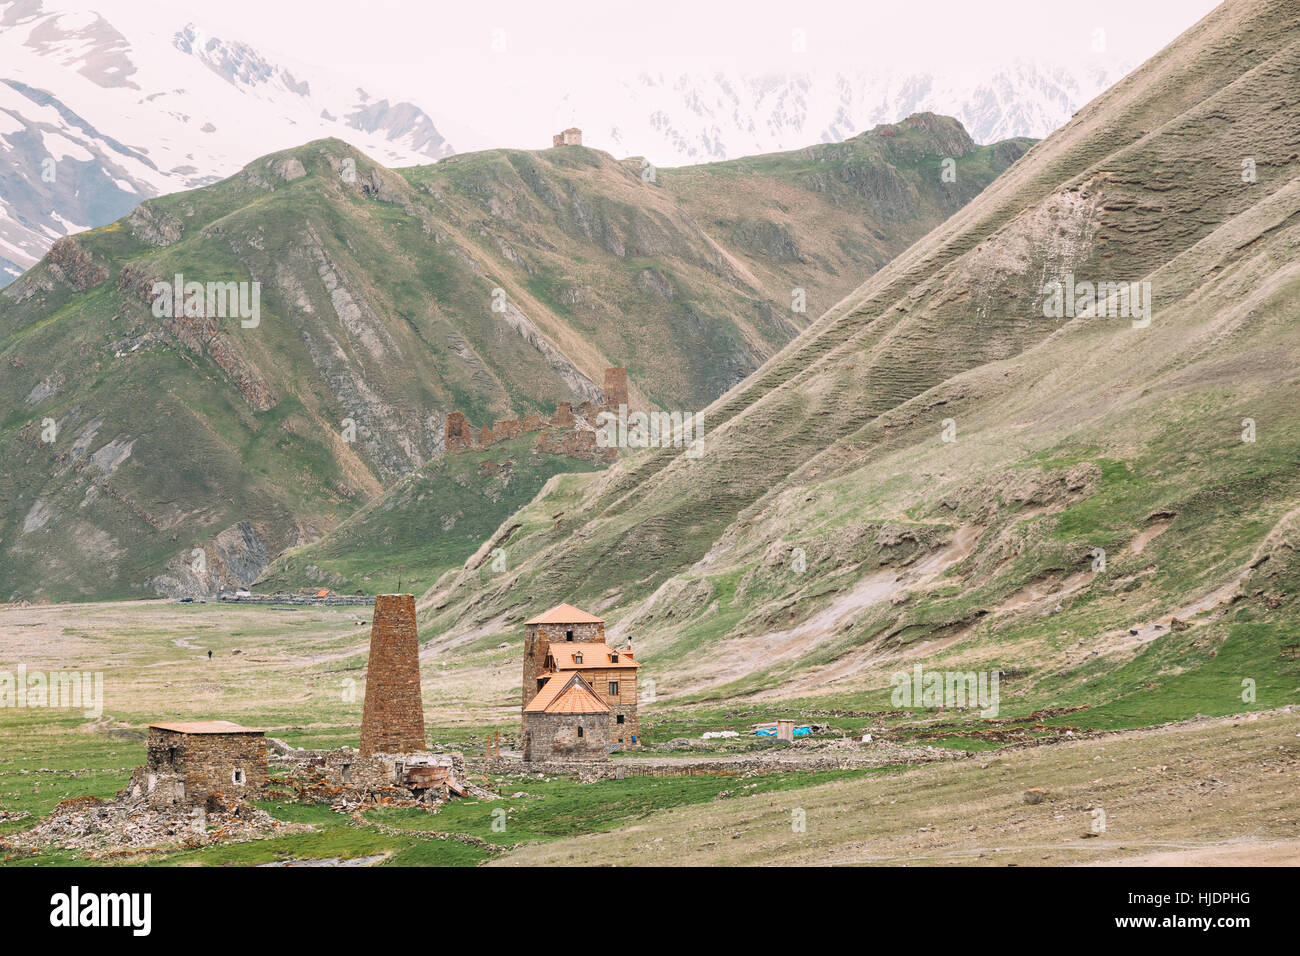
<point>457,435</point>
<point>615,387</point>
<point>392,720</point>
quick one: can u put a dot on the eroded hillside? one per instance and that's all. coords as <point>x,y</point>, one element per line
<point>152,453</point>
<point>943,469</point>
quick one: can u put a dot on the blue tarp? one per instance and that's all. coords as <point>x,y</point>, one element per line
<point>771,732</point>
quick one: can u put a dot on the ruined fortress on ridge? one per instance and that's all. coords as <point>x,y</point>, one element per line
<point>571,430</point>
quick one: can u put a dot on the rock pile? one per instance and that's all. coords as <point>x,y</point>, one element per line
<point>126,823</point>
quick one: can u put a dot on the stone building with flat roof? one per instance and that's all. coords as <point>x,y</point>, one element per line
<point>191,762</point>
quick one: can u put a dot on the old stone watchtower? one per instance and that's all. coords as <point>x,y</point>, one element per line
<point>392,720</point>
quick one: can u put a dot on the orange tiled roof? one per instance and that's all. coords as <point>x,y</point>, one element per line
<point>566,614</point>
<point>593,655</point>
<point>566,694</point>
<point>207,727</point>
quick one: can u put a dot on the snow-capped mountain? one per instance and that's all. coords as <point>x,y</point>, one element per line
<point>682,118</point>
<point>97,115</point>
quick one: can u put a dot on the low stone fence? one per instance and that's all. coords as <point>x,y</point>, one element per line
<point>301,600</point>
<point>619,769</point>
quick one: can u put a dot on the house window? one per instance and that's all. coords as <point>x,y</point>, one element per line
<point>577,658</point>
<point>613,688</point>
<point>568,635</point>
<point>237,778</point>
<point>613,658</point>
<point>579,730</point>
<point>619,718</point>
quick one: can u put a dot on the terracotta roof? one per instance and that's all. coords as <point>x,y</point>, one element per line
<point>207,727</point>
<point>566,614</point>
<point>566,694</point>
<point>594,654</point>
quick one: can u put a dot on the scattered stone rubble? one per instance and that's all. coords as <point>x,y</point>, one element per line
<point>128,823</point>
<point>350,782</point>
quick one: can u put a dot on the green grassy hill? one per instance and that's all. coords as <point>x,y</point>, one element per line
<point>430,521</point>
<point>930,473</point>
<point>186,453</point>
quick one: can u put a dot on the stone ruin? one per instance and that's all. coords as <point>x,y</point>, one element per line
<point>351,781</point>
<point>199,777</point>
<point>393,766</point>
<point>571,430</point>
<point>129,823</point>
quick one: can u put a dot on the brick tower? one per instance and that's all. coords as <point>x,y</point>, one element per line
<point>392,720</point>
<point>615,389</point>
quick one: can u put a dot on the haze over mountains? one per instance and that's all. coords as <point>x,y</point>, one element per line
<point>1102,503</point>
<point>129,108</point>
<point>377,294</point>
<point>128,103</point>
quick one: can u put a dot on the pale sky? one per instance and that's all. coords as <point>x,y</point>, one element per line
<point>489,69</point>
<point>395,35</point>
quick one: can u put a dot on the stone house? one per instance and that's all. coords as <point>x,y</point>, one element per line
<point>568,640</point>
<point>566,720</point>
<point>191,762</point>
<point>570,137</point>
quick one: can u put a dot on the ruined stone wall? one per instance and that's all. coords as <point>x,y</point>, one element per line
<point>555,737</point>
<point>575,444</point>
<point>392,719</point>
<point>457,435</point>
<point>577,439</point>
<point>206,763</point>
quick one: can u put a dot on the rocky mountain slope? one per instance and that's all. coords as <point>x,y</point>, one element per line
<point>959,466</point>
<point>151,452</point>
